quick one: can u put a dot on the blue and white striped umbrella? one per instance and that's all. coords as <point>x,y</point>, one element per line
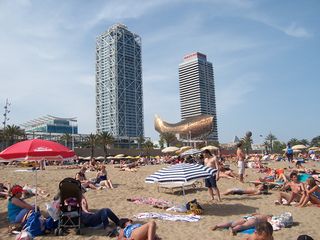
<point>181,173</point>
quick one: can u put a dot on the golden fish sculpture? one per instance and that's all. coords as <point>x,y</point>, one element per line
<point>193,126</point>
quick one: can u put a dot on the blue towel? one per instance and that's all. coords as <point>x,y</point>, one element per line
<point>248,231</point>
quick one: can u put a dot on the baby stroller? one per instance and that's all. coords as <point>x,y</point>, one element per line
<point>70,205</point>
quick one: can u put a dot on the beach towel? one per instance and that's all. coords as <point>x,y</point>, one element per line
<point>178,208</point>
<point>151,201</point>
<point>168,217</point>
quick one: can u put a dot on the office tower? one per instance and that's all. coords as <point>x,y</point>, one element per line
<point>197,92</point>
<point>119,106</point>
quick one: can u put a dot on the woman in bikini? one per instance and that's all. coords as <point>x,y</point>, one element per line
<point>311,192</point>
<point>102,178</point>
<point>243,223</point>
<point>136,231</point>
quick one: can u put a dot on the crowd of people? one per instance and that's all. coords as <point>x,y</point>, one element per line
<point>296,183</point>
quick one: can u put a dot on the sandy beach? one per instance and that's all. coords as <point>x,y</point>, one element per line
<point>131,184</point>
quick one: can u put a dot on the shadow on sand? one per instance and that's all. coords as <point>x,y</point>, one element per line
<point>223,209</point>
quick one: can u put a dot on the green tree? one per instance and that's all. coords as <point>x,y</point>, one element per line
<point>147,147</point>
<point>315,142</point>
<point>13,133</point>
<point>169,138</point>
<point>304,142</point>
<point>66,139</point>
<point>267,146</point>
<point>247,143</point>
<point>161,143</point>
<point>294,141</point>
<point>91,142</point>
<point>140,141</point>
<point>271,138</point>
<point>278,146</point>
<point>105,139</point>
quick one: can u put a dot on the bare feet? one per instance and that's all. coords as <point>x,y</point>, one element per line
<point>214,228</point>
<point>232,233</point>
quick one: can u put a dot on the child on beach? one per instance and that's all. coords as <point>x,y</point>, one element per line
<point>296,190</point>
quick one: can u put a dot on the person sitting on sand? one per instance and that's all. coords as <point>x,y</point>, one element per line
<point>81,176</point>
<point>136,231</point>
<point>226,172</point>
<point>102,178</point>
<point>311,192</point>
<point>17,208</point>
<point>243,223</point>
<point>262,189</point>
<point>263,231</point>
<point>296,190</point>
<point>93,165</point>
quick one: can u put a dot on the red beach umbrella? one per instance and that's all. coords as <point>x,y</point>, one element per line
<point>36,149</point>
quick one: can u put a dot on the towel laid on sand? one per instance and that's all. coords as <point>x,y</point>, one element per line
<point>151,201</point>
<point>168,217</point>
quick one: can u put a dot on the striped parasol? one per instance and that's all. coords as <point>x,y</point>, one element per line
<point>181,173</point>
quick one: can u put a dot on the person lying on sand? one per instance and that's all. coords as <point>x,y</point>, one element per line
<point>262,189</point>
<point>31,191</point>
<point>311,192</point>
<point>136,231</point>
<point>263,231</point>
<point>243,223</point>
<point>296,190</point>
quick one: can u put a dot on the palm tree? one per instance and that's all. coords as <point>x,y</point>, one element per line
<point>147,146</point>
<point>271,138</point>
<point>267,146</point>
<point>304,142</point>
<point>140,141</point>
<point>12,133</point>
<point>294,141</point>
<point>247,143</point>
<point>66,139</point>
<point>315,142</point>
<point>105,139</point>
<point>168,138</point>
<point>91,141</point>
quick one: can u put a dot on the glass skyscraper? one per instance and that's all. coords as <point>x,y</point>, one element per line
<point>119,97</point>
<point>197,92</point>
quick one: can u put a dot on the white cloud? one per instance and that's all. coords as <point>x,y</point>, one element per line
<point>296,31</point>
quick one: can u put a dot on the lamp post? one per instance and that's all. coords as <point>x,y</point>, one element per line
<point>5,119</point>
<point>72,131</point>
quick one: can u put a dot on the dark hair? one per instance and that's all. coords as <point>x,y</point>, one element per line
<point>304,237</point>
<point>123,221</point>
<point>264,226</point>
<point>239,144</point>
<point>293,174</point>
<point>207,152</point>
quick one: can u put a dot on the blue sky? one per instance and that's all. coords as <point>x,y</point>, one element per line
<point>265,56</point>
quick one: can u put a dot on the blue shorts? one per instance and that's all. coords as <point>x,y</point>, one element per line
<point>211,182</point>
<point>129,229</point>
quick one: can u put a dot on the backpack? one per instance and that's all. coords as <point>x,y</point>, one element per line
<point>289,151</point>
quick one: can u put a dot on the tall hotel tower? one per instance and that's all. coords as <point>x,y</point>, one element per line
<point>119,106</point>
<point>197,93</point>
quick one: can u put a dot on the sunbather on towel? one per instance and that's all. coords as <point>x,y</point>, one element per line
<point>243,223</point>
<point>311,192</point>
<point>136,231</point>
<point>262,189</point>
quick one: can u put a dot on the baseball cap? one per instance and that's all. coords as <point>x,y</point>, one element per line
<point>16,189</point>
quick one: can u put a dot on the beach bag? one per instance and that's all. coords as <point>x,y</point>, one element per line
<point>53,209</point>
<point>35,224</point>
<point>194,207</point>
<point>282,221</point>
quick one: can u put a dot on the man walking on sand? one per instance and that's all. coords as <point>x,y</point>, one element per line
<point>241,161</point>
<point>211,183</point>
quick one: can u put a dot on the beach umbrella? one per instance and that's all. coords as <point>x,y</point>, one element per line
<point>37,150</point>
<point>314,148</point>
<point>192,151</point>
<point>296,151</point>
<point>170,149</point>
<point>210,148</point>
<point>183,149</point>
<point>299,147</point>
<point>87,158</point>
<point>181,173</point>
<point>100,158</point>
